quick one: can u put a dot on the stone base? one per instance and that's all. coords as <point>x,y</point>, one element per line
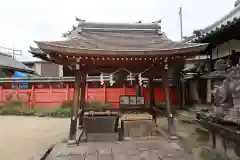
<point>173,137</point>
<point>102,137</point>
<point>139,128</point>
<point>72,142</point>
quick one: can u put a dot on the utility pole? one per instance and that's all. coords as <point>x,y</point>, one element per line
<point>181,25</point>
<point>11,51</point>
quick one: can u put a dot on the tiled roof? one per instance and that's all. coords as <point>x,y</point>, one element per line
<point>7,61</point>
<point>229,19</point>
<point>111,38</point>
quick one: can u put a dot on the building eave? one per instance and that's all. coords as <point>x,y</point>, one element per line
<point>46,46</point>
<point>226,21</point>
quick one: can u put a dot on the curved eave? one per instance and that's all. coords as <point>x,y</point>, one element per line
<point>228,20</point>
<point>214,31</point>
<point>41,55</point>
<point>192,48</point>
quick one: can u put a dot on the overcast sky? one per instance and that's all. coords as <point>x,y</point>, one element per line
<point>23,21</point>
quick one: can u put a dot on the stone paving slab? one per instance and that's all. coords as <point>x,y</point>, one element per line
<point>24,138</point>
<point>135,149</point>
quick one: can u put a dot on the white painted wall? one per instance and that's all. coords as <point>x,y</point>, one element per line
<point>38,68</point>
<point>193,90</point>
<point>223,50</point>
<point>60,71</point>
<point>226,48</point>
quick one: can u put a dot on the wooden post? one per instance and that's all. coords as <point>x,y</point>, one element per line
<point>105,92</point>
<point>82,101</point>
<point>50,91</point>
<point>73,125</point>
<point>151,98</point>
<point>67,92</point>
<point>171,120</point>
<point>182,91</point>
<point>32,99</point>
<point>151,92</point>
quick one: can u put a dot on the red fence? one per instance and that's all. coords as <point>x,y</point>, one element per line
<point>49,96</point>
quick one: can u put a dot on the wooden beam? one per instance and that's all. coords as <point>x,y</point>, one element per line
<point>74,109</point>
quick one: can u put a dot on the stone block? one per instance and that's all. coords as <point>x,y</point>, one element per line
<point>138,128</point>
<point>230,151</point>
<point>217,109</point>
<point>102,137</point>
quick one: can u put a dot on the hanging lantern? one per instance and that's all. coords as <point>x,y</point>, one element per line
<point>140,79</point>
<point>111,80</point>
<point>101,79</point>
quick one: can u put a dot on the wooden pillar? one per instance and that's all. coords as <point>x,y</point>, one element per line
<point>171,121</point>
<point>82,100</point>
<point>138,87</point>
<point>182,91</point>
<point>74,109</point>
<point>151,97</point>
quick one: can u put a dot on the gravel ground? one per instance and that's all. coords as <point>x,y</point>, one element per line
<point>21,138</point>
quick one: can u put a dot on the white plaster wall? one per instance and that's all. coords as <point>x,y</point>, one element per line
<point>209,91</point>
<point>38,68</point>
<point>193,90</point>
<point>226,48</point>
<point>60,71</point>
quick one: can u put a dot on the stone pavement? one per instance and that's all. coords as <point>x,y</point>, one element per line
<point>154,148</point>
<point>21,138</point>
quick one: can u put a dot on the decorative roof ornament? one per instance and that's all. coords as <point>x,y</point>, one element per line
<point>80,20</point>
<point>237,3</point>
<point>197,33</point>
<point>158,27</point>
<point>66,34</point>
<point>74,27</point>
<point>80,24</point>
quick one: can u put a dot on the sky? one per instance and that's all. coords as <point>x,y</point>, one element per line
<point>23,21</point>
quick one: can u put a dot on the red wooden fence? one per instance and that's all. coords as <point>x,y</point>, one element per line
<point>49,97</point>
